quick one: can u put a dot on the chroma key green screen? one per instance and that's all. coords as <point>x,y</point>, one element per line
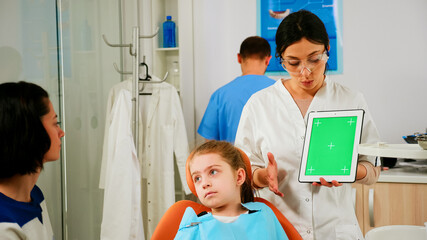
<point>331,146</point>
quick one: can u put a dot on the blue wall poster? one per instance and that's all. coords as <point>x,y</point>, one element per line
<point>270,14</point>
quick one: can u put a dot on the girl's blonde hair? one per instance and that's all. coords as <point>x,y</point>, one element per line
<point>234,158</point>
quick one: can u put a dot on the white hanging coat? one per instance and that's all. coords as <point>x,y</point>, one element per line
<point>122,216</point>
<point>162,135</point>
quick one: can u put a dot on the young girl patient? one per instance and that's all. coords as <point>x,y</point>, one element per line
<point>220,178</point>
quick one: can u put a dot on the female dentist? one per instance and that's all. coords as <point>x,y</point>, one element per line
<point>274,121</point>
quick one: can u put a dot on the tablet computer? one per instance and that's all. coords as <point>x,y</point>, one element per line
<point>331,146</point>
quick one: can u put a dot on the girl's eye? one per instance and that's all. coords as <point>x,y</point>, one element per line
<point>196,179</point>
<point>213,172</point>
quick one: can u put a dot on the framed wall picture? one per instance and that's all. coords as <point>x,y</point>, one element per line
<point>270,14</point>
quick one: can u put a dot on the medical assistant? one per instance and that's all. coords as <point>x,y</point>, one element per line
<point>225,106</point>
<point>272,122</point>
<point>259,223</point>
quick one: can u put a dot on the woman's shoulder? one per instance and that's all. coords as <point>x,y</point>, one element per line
<point>37,195</point>
<point>15,211</point>
<point>6,215</point>
<point>267,94</point>
<point>339,90</point>
<point>338,87</point>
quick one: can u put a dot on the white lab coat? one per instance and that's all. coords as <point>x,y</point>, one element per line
<point>272,122</point>
<point>162,134</point>
<point>122,215</point>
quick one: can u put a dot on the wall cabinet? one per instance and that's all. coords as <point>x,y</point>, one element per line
<point>164,59</point>
<point>152,15</point>
<point>178,62</point>
<point>400,195</point>
<point>385,203</point>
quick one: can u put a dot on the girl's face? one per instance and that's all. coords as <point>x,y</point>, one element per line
<point>50,123</point>
<point>217,184</point>
<point>309,63</point>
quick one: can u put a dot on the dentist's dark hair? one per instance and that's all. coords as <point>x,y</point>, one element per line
<point>298,25</point>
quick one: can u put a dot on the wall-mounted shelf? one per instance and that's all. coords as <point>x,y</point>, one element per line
<point>413,151</point>
<point>167,49</point>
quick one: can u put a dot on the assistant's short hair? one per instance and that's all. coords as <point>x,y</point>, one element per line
<point>23,138</point>
<point>255,47</point>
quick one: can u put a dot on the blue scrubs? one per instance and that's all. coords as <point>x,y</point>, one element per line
<point>225,106</point>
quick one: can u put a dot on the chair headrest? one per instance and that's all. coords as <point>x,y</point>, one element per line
<point>190,182</point>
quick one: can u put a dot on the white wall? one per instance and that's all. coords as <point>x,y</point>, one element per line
<point>384,47</point>
<point>219,28</point>
<point>10,16</point>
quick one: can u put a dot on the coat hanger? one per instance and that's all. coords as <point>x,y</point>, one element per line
<point>147,77</point>
<point>143,85</point>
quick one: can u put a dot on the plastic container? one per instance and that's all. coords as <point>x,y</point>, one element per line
<point>169,39</point>
<point>174,75</point>
<point>422,140</point>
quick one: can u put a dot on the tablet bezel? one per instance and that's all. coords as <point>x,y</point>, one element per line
<point>359,113</point>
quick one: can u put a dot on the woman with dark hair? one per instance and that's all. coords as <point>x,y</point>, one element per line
<point>29,137</point>
<point>274,121</point>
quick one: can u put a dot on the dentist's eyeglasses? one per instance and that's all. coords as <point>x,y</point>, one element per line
<point>296,66</point>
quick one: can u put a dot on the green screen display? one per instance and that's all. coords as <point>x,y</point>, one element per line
<point>331,146</point>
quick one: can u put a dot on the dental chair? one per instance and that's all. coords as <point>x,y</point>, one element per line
<point>169,224</point>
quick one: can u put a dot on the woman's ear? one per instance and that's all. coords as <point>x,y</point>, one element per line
<point>241,176</point>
